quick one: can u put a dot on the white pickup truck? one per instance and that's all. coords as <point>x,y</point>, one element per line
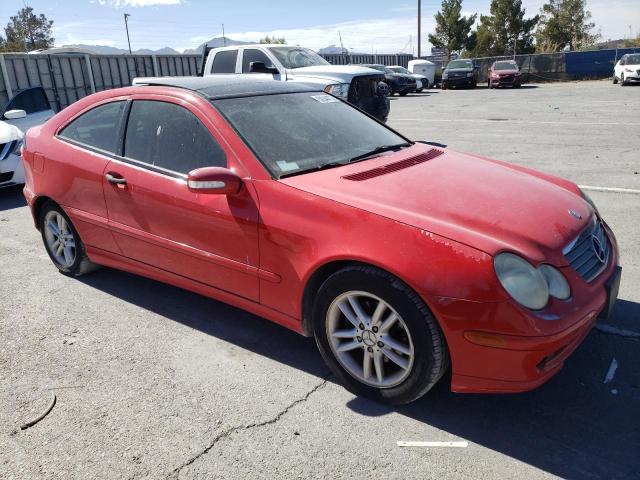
<point>360,86</point>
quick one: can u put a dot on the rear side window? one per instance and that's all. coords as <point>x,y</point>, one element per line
<point>98,127</point>
<point>225,62</point>
<point>168,136</point>
<point>250,55</point>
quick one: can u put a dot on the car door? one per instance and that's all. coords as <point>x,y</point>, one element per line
<point>250,55</point>
<point>158,221</point>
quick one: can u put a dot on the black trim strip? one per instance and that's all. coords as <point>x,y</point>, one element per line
<point>130,161</point>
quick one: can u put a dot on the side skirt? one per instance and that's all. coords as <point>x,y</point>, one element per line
<point>108,259</point>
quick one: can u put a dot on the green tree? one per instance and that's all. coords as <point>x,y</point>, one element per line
<point>453,31</point>
<point>505,30</point>
<point>28,31</point>
<point>565,23</point>
<point>273,39</point>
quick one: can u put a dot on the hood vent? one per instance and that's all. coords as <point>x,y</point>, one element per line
<point>394,167</point>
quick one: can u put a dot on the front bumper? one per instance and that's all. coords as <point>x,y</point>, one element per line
<point>377,107</point>
<point>632,76</point>
<point>11,171</point>
<point>458,82</point>
<point>505,81</point>
<point>487,357</point>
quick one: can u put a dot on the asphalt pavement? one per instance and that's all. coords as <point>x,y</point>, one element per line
<point>155,382</point>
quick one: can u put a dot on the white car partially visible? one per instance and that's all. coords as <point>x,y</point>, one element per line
<point>26,109</point>
<point>627,70</point>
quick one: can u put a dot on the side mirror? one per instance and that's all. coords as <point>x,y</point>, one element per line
<point>214,180</point>
<point>14,114</point>
<point>260,67</point>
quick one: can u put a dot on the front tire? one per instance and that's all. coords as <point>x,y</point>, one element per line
<point>615,79</point>
<point>622,82</point>
<point>377,335</point>
<point>62,242</point>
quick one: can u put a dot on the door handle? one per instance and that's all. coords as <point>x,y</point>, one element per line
<point>115,180</point>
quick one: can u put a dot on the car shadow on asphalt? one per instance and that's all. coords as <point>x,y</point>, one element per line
<point>575,426</point>
<point>11,197</point>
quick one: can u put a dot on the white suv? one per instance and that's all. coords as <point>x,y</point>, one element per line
<point>363,87</point>
<point>627,69</point>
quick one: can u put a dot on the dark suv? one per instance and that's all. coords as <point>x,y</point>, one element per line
<point>460,73</point>
<point>399,83</point>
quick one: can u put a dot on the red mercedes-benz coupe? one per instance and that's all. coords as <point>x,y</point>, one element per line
<point>402,259</point>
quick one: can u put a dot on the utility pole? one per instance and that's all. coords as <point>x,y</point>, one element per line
<point>419,27</point>
<point>224,41</point>
<point>126,26</point>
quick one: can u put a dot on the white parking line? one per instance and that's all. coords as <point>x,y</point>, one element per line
<point>610,189</point>
<point>404,443</point>
<point>508,121</point>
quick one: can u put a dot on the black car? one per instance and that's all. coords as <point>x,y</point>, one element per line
<point>398,82</point>
<point>460,73</point>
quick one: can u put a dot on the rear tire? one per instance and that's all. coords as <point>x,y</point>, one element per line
<point>387,347</point>
<point>62,242</point>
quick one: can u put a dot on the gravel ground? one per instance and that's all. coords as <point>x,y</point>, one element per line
<point>156,382</point>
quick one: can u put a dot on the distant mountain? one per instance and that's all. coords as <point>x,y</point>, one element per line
<point>104,50</point>
<point>216,42</point>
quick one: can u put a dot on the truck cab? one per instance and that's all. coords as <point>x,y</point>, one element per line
<point>360,86</point>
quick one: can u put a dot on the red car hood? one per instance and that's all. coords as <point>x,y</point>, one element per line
<point>505,72</point>
<point>479,202</point>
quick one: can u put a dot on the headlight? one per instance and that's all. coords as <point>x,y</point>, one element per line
<point>470,74</point>
<point>445,75</point>
<point>588,199</point>
<point>628,70</point>
<point>558,285</point>
<point>526,284</point>
<point>338,89</point>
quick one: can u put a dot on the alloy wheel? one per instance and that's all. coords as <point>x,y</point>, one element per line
<point>369,339</point>
<point>60,240</point>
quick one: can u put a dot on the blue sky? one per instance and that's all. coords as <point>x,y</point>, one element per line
<point>369,26</point>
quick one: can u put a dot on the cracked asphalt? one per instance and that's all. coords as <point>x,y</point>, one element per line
<point>156,382</point>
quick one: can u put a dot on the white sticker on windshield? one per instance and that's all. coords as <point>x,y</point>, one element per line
<point>324,98</point>
<point>285,166</point>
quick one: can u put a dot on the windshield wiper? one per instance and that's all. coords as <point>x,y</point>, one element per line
<point>380,149</point>
<point>314,169</point>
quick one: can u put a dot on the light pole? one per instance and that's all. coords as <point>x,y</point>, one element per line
<point>126,26</point>
<point>419,28</point>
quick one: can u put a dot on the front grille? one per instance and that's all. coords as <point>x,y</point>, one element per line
<point>363,87</point>
<point>588,254</point>
<point>394,167</point>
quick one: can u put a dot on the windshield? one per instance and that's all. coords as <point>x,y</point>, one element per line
<point>296,132</point>
<point>632,60</point>
<point>460,64</point>
<point>297,57</point>
<point>505,66</point>
<point>400,70</point>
